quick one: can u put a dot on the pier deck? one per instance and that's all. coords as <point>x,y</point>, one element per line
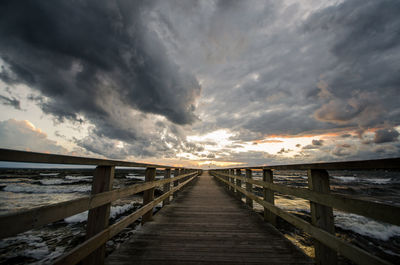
<point>205,225</point>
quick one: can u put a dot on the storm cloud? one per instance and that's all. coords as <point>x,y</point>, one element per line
<point>146,76</point>
<point>94,59</point>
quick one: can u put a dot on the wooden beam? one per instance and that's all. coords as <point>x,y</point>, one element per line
<point>33,157</point>
<point>21,221</point>
<point>378,211</point>
<point>269,197</point>
<point>239,183</point>
<point>167,186</point>
<point>98,217</point>
<point>322,216</point>
<point>249,188</point>
<point>148,195</point>
<point>84,249</point>
<point>387,163</point>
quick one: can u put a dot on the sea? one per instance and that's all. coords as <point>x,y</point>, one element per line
<point>26,188</point>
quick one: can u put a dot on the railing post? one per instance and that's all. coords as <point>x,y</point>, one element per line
<point>181,172</point>
<point>148,195</point>
<point>239,183</point>
<point>98,217</point>
<point>269,196</point>
<point>232,172</point>
<point>249,188</point>
<point>167,186</point>
<point>176,173</point>
<point>176,182</point>
<point>229,180</point>
<point>322,216</point>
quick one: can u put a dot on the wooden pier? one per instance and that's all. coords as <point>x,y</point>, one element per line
<point>205,225</point>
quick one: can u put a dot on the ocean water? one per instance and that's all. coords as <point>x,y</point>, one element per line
<point>379,238</point>
<point>27,188</point>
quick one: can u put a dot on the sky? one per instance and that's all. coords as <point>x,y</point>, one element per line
<point>202,83</point>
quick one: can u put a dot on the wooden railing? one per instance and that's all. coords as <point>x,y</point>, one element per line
<point>322,202</point>
<point>98,231</point>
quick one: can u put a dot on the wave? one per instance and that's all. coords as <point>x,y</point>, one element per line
<point>114,212</point>
<point>49,174</point>
<point>348,179</point>
<point>63,181</point>
<point>366,226</point>
<point>38,189</point>
<point>78,177</point>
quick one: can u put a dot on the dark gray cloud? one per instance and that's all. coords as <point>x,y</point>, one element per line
<point>336,69</point>
<point>10,102</point>
<point>386,135</point>
<point>317,142</point>
<point>269,68</point>
<point>94,59</point>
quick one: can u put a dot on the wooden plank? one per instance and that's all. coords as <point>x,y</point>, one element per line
<point>269,197</point>
<point>388,163</point>
<point>98,217</point>
<point>232,172</point>
<point>238,183</point>
<point>21,221</point>
<point>33,157</point>
<point>167,186</point>
<point>148,195</point>
<point>322,216</point>
<point>207,226</point>
<point>249,188</point>
<point>357,255</point>
<point>84,249</point>
<point>378,211</point>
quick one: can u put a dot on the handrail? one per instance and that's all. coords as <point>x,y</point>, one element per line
<point>9,155</point>
<point>387,163</point>
<point>21,221</point>
<point>81,251</point>
<point>321,200</point>
<point>354,253</point>
<point>98,230</point>
<point>378,211</point>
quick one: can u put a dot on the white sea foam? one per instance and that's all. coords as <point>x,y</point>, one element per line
<point>133,176</point>
<point>378,181</point>
<point>115,211</point>
<point>56,181</point>
<point>49,174</point>
<point>37,247</point>
<point>46,189</point>
<point>366,226</point>
<point>78,177</point>
<point>345,179</point>
<point>53,181</point>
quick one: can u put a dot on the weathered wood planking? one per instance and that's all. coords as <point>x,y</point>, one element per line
<point>207,226</point>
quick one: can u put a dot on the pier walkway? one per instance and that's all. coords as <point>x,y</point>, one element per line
<point>207,222</point>
<point>205,225</point>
